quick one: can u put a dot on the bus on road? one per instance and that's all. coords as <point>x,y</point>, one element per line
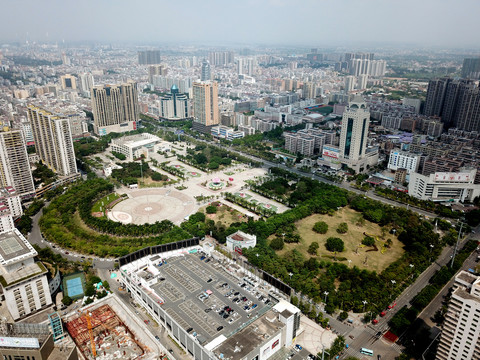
<point>366,352</point>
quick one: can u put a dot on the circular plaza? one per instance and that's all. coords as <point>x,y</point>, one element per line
<point>146,206</point>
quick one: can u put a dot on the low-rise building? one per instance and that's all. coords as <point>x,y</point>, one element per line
<point>134,146</point>
<point>403,160</point>
<point>226,133</point>
<point>22,341</point>
<point>240,240</point>
<point>445,186</point>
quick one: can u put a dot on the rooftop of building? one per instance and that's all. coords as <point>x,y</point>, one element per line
<point>14,247</point>
<point>249,338</point>
<point>193,290</point>
<point>22,274</point>
<point>241,236</point>
<point>136,140</point>
<point>24,335</point>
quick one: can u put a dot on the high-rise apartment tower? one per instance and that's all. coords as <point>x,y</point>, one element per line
<point>53,140</point>
<point>115,108</point>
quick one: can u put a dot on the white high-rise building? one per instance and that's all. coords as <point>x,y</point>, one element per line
<point>240,66</point>
<point>460,339</point>
<point>349,83</point>
<point>53,140</point>
<point>353,137</point>
<point>85,83</point>
<point>14,165</point>
<point>206,74</point>
<point>362,82</point>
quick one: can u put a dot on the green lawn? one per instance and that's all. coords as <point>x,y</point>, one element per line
<point>105,200</point>
<point>352,240</point>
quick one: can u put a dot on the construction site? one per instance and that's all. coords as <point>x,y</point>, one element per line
<point>100,335</point>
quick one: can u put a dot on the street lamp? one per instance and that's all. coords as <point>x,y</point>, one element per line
<point>324,351</point>
<point>349,262</point>
<point>291,274</point>
<point>326,294</point>
<point>364,302</point>
<point>456,245</point>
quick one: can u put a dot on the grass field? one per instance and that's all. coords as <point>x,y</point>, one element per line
<point>105,200</point>
<point>353,238</point>
<point>226,215</point>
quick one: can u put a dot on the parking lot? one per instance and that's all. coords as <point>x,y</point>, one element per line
<point>205,299</point>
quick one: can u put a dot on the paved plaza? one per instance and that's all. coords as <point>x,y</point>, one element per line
<point>148,205</point>
<point>151,205</point>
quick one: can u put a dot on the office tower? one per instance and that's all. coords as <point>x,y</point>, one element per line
<point>362,82</point>
<point>68,82</point>
<point>205,105</point>
<point>468,117</point>
<point>353,137</point>
<point>349,83</point>
<point>24,281</point>
<point>461,329</point>
<point>206,73</point>
<point>14,165</point>
<point>471,68</point>
<point>115,108</point>
<point>53,140</point>
<point>240,66</point>
<point>156,70</point>
<point>174,106</point>
<point>149,57</point>
<point>85,83</point>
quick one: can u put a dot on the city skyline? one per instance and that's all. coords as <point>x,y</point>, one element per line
<point>273,22</point>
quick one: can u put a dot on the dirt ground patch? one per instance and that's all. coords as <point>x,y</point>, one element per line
<point>354,251</point>
<point>226,215</point>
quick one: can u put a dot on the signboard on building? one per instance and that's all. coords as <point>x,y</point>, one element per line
<point>452,177</point>
<point>15,342</point>
<point>330,152</point>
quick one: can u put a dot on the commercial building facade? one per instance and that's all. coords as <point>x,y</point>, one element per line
<point>134,146</point>
<point>444,186</point>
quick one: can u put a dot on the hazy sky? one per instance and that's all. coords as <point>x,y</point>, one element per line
<point>446,23</point>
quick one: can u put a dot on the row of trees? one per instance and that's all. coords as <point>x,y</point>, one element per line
<point>60,224</point>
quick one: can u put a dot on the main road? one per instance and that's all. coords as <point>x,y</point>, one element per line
<point>268,164</point>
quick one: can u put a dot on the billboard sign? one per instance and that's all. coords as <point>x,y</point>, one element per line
<point>452,177</point>
<point>330,152</point>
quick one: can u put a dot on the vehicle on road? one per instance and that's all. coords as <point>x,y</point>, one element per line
<point>365,351</point>
<point>298,347</point>
<point>374,321</point>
